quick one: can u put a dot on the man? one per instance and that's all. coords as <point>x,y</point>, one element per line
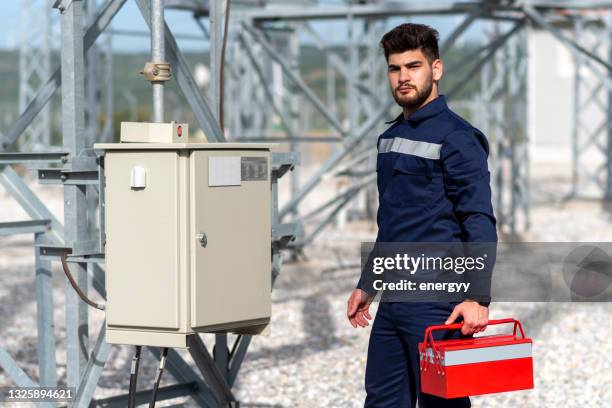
<point>433,184</point>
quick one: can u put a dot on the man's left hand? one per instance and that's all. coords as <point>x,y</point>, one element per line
<point>475,317</point>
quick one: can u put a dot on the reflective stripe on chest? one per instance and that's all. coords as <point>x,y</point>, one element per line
<point>407,146</point>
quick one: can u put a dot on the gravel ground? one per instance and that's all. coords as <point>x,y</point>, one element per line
<point>313,357</point>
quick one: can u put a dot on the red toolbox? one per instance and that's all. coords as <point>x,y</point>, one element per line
<point>476,365</point>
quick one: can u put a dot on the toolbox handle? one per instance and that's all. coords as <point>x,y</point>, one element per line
<point>455,326</point>
<point>436,354</point>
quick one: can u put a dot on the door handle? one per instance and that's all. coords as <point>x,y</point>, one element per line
<point>200,236</point>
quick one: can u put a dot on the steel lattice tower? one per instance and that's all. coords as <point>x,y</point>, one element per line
<point>35,68</point>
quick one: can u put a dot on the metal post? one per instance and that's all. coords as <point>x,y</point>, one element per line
<point>185,81</point>
<point>92,90</point>
<point>44,315</point>
<point>608,144</point>
<point>293,51</point>
<point>108,130</point>
<point>331,86</point>
<point>92,86</point>
<point>352,102</point>
<point>93,370</point>
<point>158,48</point>
<point>591,119</point>
<point>75,206</point>
<point>216,17</point>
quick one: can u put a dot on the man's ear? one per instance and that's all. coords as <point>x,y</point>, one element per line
<point>437,68</point>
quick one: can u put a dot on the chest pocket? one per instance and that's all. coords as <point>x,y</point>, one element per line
<point>411,181</point>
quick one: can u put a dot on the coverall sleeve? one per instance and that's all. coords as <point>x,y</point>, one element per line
<point>467,185</point>
<point>366,279</point>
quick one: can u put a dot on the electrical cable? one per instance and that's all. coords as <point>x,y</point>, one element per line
<point>160,370</point>
<point>76,287</point>
<point>134,378</point>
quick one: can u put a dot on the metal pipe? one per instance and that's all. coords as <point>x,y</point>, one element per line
<point>201,110</point>
<point>158,48</point>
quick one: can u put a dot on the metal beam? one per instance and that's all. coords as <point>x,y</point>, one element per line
<point>45,321</point>
<point>32,158</point>
<point>264,84</point>
<point>459,30</point>
<point>183,373</point>
<point>75,205</point>
<point>68,177</point>
<point>93,370</point>
<point>299,82</point>
<point>104,16</point>
<point>344,199</point>
<point>569,4</point>
<point>198,7</point>
<point>13,371</point>
<point>350,144</point>
<point>19,377</point>
<point>573,46</point>
<point>492,48</point>
<point>24,227</point>
<point>238,358</point>
<point>608,147</point>
<point>298,139</point>
<point>31,204</point>
<point>143,397</point>
<point>370,10</point>
<point>209,370</point>
<point>216,19</point>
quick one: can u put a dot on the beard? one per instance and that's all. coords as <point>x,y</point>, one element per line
<point>415,99</point>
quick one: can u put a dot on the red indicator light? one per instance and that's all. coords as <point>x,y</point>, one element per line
<point>179,131</point>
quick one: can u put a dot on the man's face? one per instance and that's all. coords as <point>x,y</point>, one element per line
<point>411,77</point>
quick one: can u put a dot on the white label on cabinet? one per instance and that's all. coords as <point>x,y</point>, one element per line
<point>224,171</point>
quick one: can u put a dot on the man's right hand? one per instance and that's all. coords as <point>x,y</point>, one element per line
<point>358,307</point>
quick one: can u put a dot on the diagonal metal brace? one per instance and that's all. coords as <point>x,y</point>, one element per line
<point>100,22</point>
<point>207,366</point>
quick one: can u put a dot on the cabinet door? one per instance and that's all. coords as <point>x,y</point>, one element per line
<point>142,240</point>
<point>231,273</point>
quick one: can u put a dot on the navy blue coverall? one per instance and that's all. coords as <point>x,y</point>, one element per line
<point>433,184</point>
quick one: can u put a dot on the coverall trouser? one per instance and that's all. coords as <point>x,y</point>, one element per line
<point>392,372</point>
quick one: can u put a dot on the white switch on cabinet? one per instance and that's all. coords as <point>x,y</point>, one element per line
<point>138,177</point>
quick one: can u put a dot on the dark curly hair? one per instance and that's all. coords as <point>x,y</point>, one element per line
<point>408,37</point>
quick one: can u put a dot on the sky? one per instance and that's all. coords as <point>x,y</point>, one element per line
<point>181,22</point>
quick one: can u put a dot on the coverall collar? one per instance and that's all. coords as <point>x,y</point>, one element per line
<point>430,109</point>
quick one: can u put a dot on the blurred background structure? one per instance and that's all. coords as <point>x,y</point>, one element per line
<point>534,76</point>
